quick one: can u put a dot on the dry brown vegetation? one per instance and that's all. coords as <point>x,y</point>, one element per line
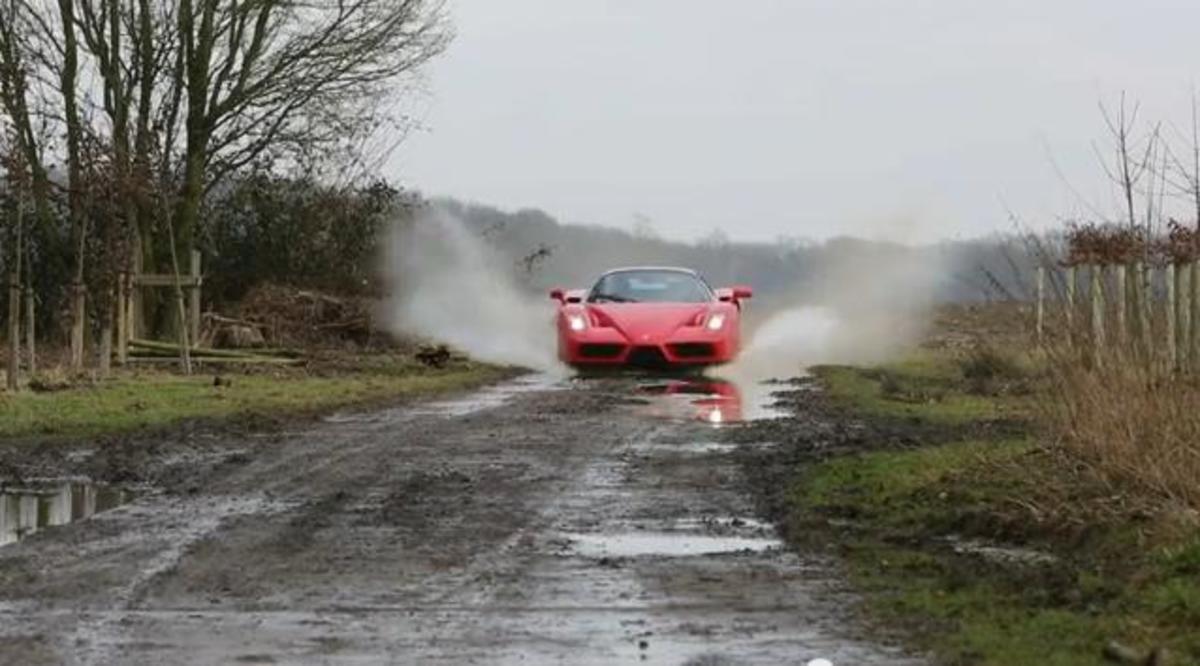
<point>1128,410</point>
<point>1137,427</point>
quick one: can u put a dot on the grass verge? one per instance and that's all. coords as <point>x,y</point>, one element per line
<point>152,399</point>
<point>983,546</point>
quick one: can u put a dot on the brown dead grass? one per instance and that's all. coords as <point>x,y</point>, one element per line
<point>1137,427</point>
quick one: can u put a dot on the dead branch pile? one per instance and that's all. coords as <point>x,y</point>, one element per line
<point>1093,244</point>
<point>1105,244</point>
<point>1180,245</point>
<point>296,317</point>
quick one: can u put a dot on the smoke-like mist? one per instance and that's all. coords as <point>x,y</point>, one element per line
<point>447,285</point>
<point>861,309</point>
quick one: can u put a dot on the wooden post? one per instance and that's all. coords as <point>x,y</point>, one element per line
<point>14,330</point>
<point>132,305</point>
<point>1194,303</point>
<point>1183,314</point>
<point>1144,285</point>
<point>1040,308</point>
<point>1070,309</point>
<point>194,301</point>
<point>122,315</point>
<point>1172,348</point>
<point>78,324</point>
<point>31,330</point>
<point>1097,296</point>
<point>1120,284</point>
<point>136,308</point>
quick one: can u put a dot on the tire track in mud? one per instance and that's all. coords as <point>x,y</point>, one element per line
<point>531,523</point>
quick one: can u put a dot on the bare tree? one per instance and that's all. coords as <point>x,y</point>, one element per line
<point>285,78</point>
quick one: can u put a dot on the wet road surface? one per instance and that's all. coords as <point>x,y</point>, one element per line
<point>540,521</point>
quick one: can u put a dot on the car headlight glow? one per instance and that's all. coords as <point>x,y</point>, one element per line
<point>577,322</point>
<point>716,321</point>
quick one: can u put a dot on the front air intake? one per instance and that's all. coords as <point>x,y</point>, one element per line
<point>693,350</point>
<point>647,357</point>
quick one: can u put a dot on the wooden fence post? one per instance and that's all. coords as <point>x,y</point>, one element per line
<point>78,324</point>
<point>122,315</point>
<point>1144,283</point>
<point>1070,305</point>
<point>1194,306</point>
<point>1096,292</point>
<point>1172,348</point>
<point>1040,307</point>
<point>194,301</point>
<point>1183,314</point>
<point>1122,305</point>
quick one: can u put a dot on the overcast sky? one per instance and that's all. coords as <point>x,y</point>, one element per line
<point>766,118</point>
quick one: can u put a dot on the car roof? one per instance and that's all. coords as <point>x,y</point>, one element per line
<point>673,269</point>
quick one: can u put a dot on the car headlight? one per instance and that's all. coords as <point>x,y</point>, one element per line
<point>577,322</point>
<point>716,321</point>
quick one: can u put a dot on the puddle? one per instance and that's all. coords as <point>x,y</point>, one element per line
<point>664,544</point>
<point>725,525</point>
<point>691,448</point>
<point>27,509</point>
<point>715,401</point>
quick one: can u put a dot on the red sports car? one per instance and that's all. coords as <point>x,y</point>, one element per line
<point>649,317</point>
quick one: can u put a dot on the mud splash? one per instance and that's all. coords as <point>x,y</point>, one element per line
<point>30,508</point>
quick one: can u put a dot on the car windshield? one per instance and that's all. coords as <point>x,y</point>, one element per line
<point>650,286</point>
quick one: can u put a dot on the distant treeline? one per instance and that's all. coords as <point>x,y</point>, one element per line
<point>545,252</point>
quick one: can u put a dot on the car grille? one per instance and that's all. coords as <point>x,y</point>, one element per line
<point>692,349</point>
<point>647,357</point>
<point>597,350</point>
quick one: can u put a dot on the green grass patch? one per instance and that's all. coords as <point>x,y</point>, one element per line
<point>925,388</point>
<point>159,399</point>
<point>900,518</point>
<point>896,511</point>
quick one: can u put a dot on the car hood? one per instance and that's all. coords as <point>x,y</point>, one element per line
<point>647,322</point>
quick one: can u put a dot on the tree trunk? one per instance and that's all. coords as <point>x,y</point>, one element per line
<point>67,87</point>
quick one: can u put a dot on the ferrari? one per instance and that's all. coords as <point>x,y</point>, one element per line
<point>649,318</point>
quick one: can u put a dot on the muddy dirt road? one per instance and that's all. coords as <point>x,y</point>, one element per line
<point>535,522</point>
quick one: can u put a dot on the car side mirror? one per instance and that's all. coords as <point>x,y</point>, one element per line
<point>734,294</point>
<point>558,295</point>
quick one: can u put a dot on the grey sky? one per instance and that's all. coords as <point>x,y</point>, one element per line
<point>921,118</point>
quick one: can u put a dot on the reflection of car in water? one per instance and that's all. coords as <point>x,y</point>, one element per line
<point>709,400</point>
<point>649,317</point>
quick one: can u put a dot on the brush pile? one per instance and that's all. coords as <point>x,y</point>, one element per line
<point>1109,244</point>
<point>284,316</point>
